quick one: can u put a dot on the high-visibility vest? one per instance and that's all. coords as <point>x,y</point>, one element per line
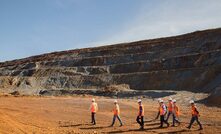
<point>194,111</point>
<point>116,109</point>
<point>162,109</point>
<point>141,108</point>
<point>93,107</point>
<point>170,106</point>
<point>176,110</point>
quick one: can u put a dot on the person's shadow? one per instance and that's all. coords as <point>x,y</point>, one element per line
<point>133,130</point>
<point>95,127</point>
<point>67,124</point>
<point>71,125</point>
<point>176,131</point>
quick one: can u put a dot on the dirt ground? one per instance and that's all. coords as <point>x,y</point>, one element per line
<point>71,115</point>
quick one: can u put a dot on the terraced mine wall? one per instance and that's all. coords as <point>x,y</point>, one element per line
<point>189,62</point>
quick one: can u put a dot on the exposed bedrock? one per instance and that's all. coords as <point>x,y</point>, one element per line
<point>187,62</point>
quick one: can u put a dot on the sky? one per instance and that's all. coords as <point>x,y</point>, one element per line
<point>33,27</point>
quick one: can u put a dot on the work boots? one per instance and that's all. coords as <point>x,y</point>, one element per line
<point>201,128</point>
<point>142,128</point>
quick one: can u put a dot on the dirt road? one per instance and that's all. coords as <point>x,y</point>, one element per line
<point>71,115</point>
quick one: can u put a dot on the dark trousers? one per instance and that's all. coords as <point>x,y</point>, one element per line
<point>162,120</point>
<point>194,118</point>
<point>175,120</point>
<point>158,114</point>
<point>93,118</point>
<point>140,121</point>
<point>114,118</point>
<point>168,116</point>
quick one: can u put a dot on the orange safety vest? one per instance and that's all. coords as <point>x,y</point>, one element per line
<point>176,110</point>
<point>162,109</point>
<point>94,107</point>
<point>194,111</point>
<point>141,107</point>
<point>116,109</point>
<point>170,106</point>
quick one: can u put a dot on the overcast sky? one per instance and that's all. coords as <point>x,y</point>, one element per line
<point>31,27</point>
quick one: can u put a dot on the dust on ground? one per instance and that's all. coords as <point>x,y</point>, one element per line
<point>71,115</point>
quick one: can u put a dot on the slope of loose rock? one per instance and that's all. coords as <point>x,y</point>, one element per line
<point>187,62</point>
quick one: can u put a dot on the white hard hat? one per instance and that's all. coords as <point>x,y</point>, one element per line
<point>115,101</point>
<point>161,101</point>
<point>139,100</point>
<point>170,99</point>
<point>191,102</point>
<point>93,100</point>
<point>174,101</point>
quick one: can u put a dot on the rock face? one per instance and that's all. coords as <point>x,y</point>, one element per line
<point>215,98</point>
<point>188,62</point>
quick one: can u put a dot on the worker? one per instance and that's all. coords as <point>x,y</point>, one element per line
<point>170,108</point>
<point>176,113</point>
<point>140,116</point>
<point>195,115</point>
<point>163,111</point>
<point>116,112</point>
<point>93,109</point>
<point>158,114</point>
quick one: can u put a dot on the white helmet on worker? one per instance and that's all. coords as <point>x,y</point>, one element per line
<point>139,101</point>
<point>170,99</point>
<point>174,101</point>
<point>93,100</point>
<point>192,102</point>
<point>161,101</point>
<point>115,101</point>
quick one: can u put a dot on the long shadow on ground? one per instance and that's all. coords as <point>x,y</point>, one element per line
<point>95,127</point>
<point>122,94</point>
<point>72,125</point>
<point>180,131</point>
<point>134,130</point>
<point>205,102</point>
<point>152,130</point>
<point>151,94</point>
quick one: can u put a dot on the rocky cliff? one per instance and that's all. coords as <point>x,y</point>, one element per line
<point>187,62</point>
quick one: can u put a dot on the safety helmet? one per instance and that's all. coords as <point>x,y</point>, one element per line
<point>191,102</point>
<point>139,100</point>
<point>159,99</point>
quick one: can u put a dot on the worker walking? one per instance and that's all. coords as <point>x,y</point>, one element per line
<point>195,115</point>
<point>116,112</point>
<point>158,113</point>
<point>176,113</point>
<point>140,116</point>
<point>170,108</point>
<point>163,111</point>
<point>93,109</point>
